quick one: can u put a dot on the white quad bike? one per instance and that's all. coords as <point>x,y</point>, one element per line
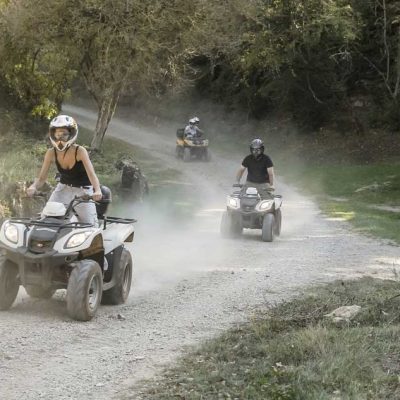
<point>57,252</point>
<point>247,208</point>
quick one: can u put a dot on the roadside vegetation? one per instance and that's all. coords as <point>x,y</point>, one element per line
<point>292,351</point>
<point>367,196</point>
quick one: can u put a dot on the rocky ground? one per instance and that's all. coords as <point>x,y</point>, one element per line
<point>189,284</point>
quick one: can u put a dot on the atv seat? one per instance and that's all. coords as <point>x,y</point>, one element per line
<point>102,205</point>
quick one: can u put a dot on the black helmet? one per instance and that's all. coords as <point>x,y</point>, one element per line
<point>257,147</point>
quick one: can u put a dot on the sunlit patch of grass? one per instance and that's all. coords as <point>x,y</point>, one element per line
<point>344,216</point>
<point>292,351</point>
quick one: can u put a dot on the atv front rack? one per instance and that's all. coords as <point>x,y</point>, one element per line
<point>37,222</point>
<point>34,222</point>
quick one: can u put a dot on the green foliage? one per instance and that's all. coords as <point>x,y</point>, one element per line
<point>36,69</point>
<point>312,58</point>
<point>288,54</point>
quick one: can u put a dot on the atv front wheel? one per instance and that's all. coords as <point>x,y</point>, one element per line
<point>85,287</point>
<point>120,292</point>
<point>178,152</point>
<point>278,222</point>
<point>230,226</point>
<point>186,154</point>
<point>9,284</point>
<point>39,292</point>
<point>207,155</point>
<point>268,228</point>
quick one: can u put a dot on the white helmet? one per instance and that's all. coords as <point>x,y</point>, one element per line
<point>192,121</point>
<point>63,121</point>
<point>196,120</point>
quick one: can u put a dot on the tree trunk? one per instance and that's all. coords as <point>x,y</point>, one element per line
<point>106,106</point>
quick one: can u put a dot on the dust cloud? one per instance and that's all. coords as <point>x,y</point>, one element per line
<point>177,236</point>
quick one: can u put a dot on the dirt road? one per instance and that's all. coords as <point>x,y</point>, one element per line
<point>189,284</point>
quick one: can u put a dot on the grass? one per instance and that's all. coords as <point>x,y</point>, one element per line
<point>292,351</point>
<point>368,196</point>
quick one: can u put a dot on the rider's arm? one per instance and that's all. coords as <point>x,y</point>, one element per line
<point>84,157</point>
<point>271,176</point>
<point>41,179</point>
<point>240,172</point>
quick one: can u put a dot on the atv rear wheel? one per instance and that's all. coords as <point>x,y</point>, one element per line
<point>9,284</point>
<point>39,292</point>
<point>268,228</point>
<point>120,292</point>
<point>186,154</point>
<point>85,287</point>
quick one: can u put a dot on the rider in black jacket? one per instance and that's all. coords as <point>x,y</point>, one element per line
<point>260,169</point>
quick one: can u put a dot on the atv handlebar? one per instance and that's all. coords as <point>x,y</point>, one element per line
<point>84,197</point>
<point>36,194</point>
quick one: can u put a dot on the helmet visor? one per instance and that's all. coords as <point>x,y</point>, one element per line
<point>58,136</point>
<point>256,151</point>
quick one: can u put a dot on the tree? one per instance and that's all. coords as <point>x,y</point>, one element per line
<point>283,53</point>
<point>111,44</point>
<point>135,43</point>
<point>35,68</point>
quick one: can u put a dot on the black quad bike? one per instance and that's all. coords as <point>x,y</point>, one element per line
<point>188,147</point>
<point>57,252</point>
<point>247,208</point>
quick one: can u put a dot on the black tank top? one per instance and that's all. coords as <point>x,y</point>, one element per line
<point>76,176</point>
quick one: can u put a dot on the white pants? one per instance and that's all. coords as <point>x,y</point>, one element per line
<point>86,212</point>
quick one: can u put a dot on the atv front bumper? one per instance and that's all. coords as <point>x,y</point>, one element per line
<point>46,269</point>
<point>249,219</point>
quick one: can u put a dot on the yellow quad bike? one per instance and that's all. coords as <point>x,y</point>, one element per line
<point>191,147</point>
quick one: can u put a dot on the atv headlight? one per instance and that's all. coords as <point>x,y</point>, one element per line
<point>265,205</point>
<point>11,232</point>
<point>77,239</point>
<point>233,202</point>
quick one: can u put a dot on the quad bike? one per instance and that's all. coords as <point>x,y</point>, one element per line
<point>247,208</point>
<point>188,147</point>
<point>57,252</point>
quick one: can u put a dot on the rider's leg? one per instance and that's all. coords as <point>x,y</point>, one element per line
<point>264,189</point>
<point>86,211</point>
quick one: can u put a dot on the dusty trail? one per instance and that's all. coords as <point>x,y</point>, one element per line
<point>189,284</point>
